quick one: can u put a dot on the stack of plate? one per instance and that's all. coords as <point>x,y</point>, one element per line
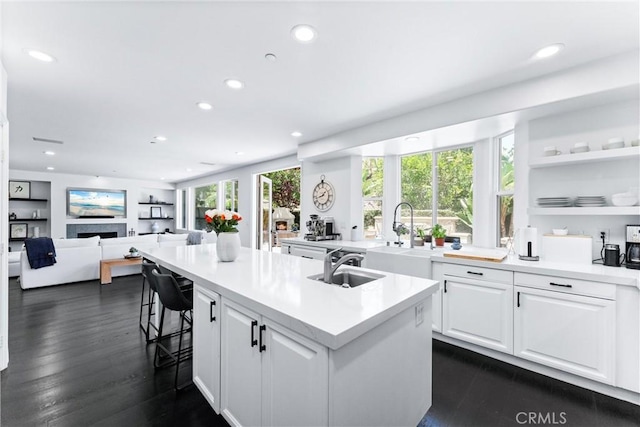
<point>590,201</point>
<point>553,202</point>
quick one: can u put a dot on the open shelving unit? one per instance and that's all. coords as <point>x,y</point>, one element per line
<point>588,157</point>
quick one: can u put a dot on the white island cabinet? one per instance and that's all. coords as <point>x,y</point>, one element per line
<point>206,342</point>
<point>283,349</point>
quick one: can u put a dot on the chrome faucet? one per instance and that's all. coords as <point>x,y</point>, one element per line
<point>330,268</point>
<point>399,227</point>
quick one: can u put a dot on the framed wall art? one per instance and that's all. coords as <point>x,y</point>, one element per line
<point>18,230</point>
<point>19,189</point>
<point>156,212</point>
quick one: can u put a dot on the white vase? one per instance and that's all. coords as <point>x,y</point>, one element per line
<point>228,246</point>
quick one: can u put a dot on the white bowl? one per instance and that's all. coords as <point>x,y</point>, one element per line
<point>560,231</point>
<point>624,199</point>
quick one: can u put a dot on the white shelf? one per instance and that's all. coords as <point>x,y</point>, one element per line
<point>588,157</point>
<point>604,210</point>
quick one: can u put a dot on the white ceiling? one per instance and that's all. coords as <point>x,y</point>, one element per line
<point>128,71</point>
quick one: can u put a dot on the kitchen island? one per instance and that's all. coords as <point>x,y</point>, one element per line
<point>273,347</point>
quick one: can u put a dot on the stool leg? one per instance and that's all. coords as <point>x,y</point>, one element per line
<point>175,380</point>
<point>152,299</point>
<point>156,356</point>
<point>142,304</point>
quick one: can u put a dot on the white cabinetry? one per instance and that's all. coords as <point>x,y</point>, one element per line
<point>477,306</point>
<point>266,369</point>
<point>206,343</point>
<point>567,324</point>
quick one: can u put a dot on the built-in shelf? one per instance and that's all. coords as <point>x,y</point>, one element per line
<point>588,157</point>
<point>27,219</point>
<point>17,199</point>
<point>156,204</point>
<point>156,219</point>
<point>604,210</point>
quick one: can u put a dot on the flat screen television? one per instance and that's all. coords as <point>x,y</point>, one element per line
<point>95,203</point>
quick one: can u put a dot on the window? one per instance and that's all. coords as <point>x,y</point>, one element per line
<point>231,195</point>
<point>416,187</point>
<point>182,209</point>
<point>505,188</point>
<point>442,180</point>
<point>372,184</point>
<point>205,198</point>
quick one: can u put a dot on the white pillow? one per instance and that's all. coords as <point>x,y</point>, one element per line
<point>171,237</point>
<point>129,240</point>
<point>76,243</point>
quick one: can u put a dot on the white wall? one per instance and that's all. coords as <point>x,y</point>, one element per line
<point>345,174</point>
<point>4,213</point>
<point>595,126</point>
<point>136,191</point>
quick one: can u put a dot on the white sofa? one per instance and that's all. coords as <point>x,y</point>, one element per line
<point>79,259</point>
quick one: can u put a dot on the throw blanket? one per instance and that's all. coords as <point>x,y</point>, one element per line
<point>194,238</point>
<point>40,252</point>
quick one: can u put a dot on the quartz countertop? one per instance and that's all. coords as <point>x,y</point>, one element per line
<point>276,286</point>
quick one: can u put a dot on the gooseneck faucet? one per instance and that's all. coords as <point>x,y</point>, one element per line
<point>330,268</point>
<point>399,227</point>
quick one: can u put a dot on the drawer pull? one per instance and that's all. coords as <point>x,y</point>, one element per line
<point>518,299</point>
<point>475,273</point>
<point>307,257</point>
<point>560,284</point>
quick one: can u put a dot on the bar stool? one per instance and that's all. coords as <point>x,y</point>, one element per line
<point>174,299</point>
<point>147,268</point>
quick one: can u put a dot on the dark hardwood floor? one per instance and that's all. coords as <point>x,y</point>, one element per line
<point>78,358</point>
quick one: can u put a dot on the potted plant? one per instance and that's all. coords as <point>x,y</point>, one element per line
<point>420,237</point>
<point>133,252</point>
<point>438,232</point>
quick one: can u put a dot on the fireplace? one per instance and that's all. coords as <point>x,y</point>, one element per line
<point>105,230</point>
<point>102,234</point>
<point>282,219</point>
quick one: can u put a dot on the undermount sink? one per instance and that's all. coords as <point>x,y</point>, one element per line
<point>350,278</point>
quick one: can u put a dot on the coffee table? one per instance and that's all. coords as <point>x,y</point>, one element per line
<point>106,264</point>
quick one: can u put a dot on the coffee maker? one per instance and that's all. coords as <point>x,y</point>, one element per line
<point>632,248</point>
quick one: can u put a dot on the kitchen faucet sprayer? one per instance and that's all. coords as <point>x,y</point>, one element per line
<point>399,227</point>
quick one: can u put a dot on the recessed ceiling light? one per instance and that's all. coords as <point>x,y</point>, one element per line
<point>411,138</point>
<point>304,33</point>
<point>296,134</point>
<point>204,105</point>
<point>160,138</point>
<point>234,84</point>
<point>548,51</point>
<point>49,153</point>
<point>239,153</point>
<point>189,169</point>
<point>39,55</point>
<point>162,178</point>
<point>50,168</point>
<point>271,57</point>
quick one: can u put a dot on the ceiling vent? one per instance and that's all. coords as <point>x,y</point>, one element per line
<point>52,141</point>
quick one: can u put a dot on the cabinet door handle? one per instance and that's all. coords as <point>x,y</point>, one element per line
<point>518,299</point>
<point>475,273</point>
<point>212,318</point>
<point>262,346</point>
<point>560,284</point>
<point>254,341</point>
<point>445,286</point>
<point>307,257</point>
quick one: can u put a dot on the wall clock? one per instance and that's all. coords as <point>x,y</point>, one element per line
<point>323,195</point>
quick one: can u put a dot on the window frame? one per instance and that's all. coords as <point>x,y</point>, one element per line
<point>497,181</point>
<point>374,199</point>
